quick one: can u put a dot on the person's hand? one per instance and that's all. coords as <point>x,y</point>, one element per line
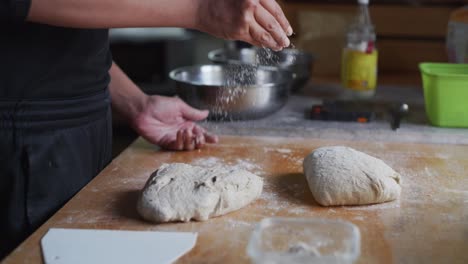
<point>169,123</point>
<point>259,22</point>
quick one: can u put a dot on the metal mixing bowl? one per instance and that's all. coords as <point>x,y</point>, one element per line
<point>296,61</point>
<point>233,92</point>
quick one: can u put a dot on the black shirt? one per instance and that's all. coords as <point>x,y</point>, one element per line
<point>38,61</point>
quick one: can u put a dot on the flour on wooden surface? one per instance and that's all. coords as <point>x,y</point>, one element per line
<point>239,164</point>
<point>278,200</point>
<point>234,224</point>
<point>279,150</point>
<point>370,207</point>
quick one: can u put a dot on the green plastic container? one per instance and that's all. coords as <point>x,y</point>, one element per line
<point>446,93</point>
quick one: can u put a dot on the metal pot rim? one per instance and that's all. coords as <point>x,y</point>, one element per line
<point>288,75</point>
<point>219,55</point>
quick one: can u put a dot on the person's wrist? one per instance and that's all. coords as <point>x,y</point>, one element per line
<point>199,15</point>
<point>185,14</point>
<point>137,113</point>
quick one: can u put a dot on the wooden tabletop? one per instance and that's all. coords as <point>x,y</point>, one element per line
<point>428,224</point>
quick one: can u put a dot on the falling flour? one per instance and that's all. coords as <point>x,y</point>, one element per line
<point>236,80</point>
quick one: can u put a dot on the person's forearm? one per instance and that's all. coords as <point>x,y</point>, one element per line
<point>114,13</point>
<point>127,99</point>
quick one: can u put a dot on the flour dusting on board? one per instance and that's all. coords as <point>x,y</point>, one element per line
<point>279,150</point>
<point>394,204</point>
<point>208,162</point>
<point>287,154</point>
<point>276,201</point>
<point>235,224</point>
<point>239,164</point>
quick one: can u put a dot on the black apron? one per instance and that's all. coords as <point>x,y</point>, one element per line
<point>49,150</point>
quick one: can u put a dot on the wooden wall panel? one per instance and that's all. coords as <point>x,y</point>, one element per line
<point>390,20</point>
<point>398,55</point>
<point>407,35</point>
<point>394,55</point>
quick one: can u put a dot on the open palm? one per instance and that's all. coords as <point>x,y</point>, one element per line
<point>170,123</point>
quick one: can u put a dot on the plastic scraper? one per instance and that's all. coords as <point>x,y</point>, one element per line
<point>114,246</point>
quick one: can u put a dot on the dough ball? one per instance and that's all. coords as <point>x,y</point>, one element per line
<point>344,176</point>
<point>181,192</point>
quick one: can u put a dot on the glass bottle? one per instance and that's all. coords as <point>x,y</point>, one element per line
<point>359,57</point>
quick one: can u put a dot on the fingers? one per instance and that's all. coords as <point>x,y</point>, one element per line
<point>179,140</point>
<point>262,38</point>
<point>185,140</point>
<point>272,30</point>
<point>191,113</point>
<point>210,138</point>
<point>267,25</point>
<point>189,140</point>
<point>200,142</point>
<point>199,137</point>
<point>194,138</point>
<point>275,10</point>
<point>188,137</point>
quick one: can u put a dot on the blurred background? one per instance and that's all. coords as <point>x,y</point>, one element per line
<point>408,32</point>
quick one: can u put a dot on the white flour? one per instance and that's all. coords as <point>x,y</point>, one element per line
<point>382,206</point>
<point>275,202</point>
<point>242,164</point>
<point>279,150</point>
<point>235,224</point>
<point>236,82</point>
<point>207,162</point>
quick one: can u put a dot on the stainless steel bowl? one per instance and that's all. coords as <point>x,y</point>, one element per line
<point>233,92</point>
<point>296,61</point>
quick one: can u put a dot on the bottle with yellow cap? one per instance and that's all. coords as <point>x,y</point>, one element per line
<point>359,58</point>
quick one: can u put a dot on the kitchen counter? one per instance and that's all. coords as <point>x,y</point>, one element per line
<point>292,121</point>
<point>428,224</point>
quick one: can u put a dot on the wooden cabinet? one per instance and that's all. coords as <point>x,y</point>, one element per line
<point>409,32</point>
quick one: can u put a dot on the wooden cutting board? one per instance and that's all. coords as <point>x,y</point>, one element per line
<point>429,224</point>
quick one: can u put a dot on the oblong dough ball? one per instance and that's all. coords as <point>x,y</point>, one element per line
<point>181,192</point>
<point>343,176</point>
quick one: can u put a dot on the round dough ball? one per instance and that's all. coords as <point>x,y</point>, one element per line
<point>344,176</point>
<point>181,192</point>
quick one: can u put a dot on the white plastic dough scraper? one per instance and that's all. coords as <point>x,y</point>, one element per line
<point>114,246</point>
